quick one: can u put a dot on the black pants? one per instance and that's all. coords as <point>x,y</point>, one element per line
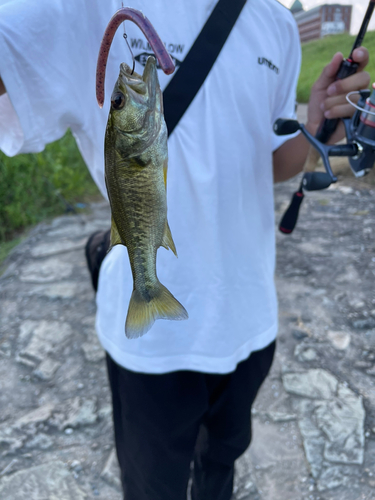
<point>163,422</point>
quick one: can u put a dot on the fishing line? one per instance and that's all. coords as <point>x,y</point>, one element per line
<point>355,105</point>
<point>127,43</point>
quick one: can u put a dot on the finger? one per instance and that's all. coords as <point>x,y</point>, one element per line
<point>328,74</point>
<point>330,102</point>
<point>342,111</point>
<point>361,56</point>
<point>358,81</point>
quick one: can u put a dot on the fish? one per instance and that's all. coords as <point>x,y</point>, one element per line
<point>136,162</point>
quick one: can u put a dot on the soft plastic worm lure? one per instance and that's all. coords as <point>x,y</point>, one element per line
<point>152,37</point>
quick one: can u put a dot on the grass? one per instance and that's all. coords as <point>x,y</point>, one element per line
<point>318,53</point>
<point>34,187</point>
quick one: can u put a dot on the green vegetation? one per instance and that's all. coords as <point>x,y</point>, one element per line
<point>316,54</point>
<point>36,186</point>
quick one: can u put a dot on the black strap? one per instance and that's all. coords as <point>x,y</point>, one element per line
<point>198,62</point>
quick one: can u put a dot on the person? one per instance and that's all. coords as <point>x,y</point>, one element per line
<point>183,392</point>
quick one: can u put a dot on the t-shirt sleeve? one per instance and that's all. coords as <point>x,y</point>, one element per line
<point>36,46</point>
<point>287,91</point>
<point>48,53</point>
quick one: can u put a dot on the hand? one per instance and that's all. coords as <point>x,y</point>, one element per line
<point>328,97</point>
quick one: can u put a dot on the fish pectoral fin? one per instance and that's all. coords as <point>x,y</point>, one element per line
<point>115,236</point>
<point>168,240</point>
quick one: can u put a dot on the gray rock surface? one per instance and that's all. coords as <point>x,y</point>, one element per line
<point>51,481</point>
<point>313,420</point>
<point>46,271</point>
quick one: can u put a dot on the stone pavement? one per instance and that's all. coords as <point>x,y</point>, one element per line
<point>314,419</point>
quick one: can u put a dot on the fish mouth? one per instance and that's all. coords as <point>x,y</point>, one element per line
<point>132,80</point>
<point>128,73</point>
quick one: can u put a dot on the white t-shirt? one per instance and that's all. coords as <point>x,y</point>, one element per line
<point>220,186</point>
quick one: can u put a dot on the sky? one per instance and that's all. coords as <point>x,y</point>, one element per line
<point>359,9</point>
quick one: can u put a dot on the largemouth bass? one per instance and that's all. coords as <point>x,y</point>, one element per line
<point>136,159</point>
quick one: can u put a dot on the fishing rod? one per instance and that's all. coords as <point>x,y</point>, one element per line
<point>320,180</point>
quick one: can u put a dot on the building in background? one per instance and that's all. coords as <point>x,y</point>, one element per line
<point>322,20</point>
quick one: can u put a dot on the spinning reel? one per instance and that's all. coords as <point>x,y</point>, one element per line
<point>360,135</point>
<point>360,148</point>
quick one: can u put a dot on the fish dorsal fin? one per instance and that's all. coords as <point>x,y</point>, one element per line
<point>115,236</point>
<point>168,240</point>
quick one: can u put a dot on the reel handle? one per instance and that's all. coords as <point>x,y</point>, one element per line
<point>290,217</point>
<point>311,181</point>
<point>314,181</point>
<point>284,126</point>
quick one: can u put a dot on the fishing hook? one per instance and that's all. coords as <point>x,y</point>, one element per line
<point>152,37</point>
<point>127,43</point>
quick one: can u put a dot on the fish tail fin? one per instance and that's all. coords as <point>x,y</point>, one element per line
<point>142,313</point>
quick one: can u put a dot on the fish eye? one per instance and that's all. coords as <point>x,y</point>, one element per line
<point>118,101</point>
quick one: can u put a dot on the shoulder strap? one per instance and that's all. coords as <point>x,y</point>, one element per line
<point>198,62</point>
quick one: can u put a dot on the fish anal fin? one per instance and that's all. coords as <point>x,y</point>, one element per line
<point>115,236</point>
<point>168,240</point>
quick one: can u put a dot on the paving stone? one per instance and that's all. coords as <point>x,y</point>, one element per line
<point>357,304</point>
<point>315,383</point>
<point>46,271</point>
<point>47,369</point>
<point>314,248</point>
<point>314,448</point>
<point>342,421</point>
<point>50,481</point>
<point>81,411</point>
<point>363,324</point>
<point>66,290</point>
<point>93,351</point>
<point>57,247</point>
<point>41,441</point>
<point>299,334</point>
<point>36,416</point>
<point>274,463</point>
<point>339,340</point>
<point>73,230</point>
<point>9,440</point>
<point>277,416</point>
<point>111,471</point>
<point>350,275</point>
<point>25,361</point>
<point>305,353</point>
<point>105,412</point>
<point>8,308</point>
<point>26,329</point>
<point>244,482</point>
<point>362,364</point>
<point>332,428</point>
<point>46,337</point>
<point>332,477</point>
